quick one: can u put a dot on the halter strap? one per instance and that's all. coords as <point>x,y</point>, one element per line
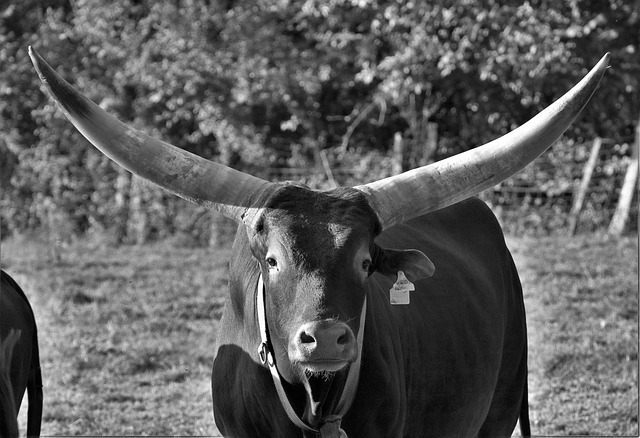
<point>266,355</point>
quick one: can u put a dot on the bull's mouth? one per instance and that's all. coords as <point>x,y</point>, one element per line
<point>321,367</point>
<point>323,388</point>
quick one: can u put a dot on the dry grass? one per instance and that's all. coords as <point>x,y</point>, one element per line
<point>582,308</point>
<point>127,334</point>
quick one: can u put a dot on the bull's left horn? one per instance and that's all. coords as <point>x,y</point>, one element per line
<point>402,197</point>
<point>189,176</point>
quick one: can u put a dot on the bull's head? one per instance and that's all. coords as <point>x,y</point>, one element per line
<point>316,250</point>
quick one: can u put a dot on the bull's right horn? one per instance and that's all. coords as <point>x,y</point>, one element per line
<point>402,197</point>
<point>213,185</point>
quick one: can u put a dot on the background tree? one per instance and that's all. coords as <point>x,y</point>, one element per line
<point>262,85</point>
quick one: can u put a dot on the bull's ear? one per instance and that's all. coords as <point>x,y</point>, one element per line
<point>415,264</point>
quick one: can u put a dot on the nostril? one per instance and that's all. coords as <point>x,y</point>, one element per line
<point>306,339</point>
<point>344,338</point>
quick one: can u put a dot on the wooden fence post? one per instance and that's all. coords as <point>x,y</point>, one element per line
<point>398,154</point>
<point>431,144</point>
<point>587,173</point>
<point>629,187</point>
<point>121,217</point>
<point>138,220</point>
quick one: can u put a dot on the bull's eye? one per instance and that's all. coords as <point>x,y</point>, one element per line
<point>272,262</point>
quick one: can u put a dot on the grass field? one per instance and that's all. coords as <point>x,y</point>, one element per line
<point>127,334</point>
<point>581,296</point>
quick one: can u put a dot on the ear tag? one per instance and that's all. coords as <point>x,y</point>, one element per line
<point>399,293</point>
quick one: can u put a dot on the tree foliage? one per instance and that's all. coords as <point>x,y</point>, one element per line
<point>261,84</point>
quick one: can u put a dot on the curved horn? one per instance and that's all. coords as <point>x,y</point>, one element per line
<point>189,176</point>
<point>402,197</point>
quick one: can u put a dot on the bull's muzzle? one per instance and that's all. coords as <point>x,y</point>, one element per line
<point>323,346</point>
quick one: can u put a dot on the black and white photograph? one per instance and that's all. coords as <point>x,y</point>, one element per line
<point>319,218</point>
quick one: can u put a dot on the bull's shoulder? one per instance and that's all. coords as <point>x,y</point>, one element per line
<point>464,242</point>
<point>469,222</point>
<point>467,217</point>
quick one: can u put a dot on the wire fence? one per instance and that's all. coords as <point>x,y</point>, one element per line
<point>539,200</point>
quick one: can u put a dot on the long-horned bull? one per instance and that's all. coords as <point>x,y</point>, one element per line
<point>310,341</point>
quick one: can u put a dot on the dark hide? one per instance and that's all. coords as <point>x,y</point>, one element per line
<point>16,314</point>
<point>451,363</point>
